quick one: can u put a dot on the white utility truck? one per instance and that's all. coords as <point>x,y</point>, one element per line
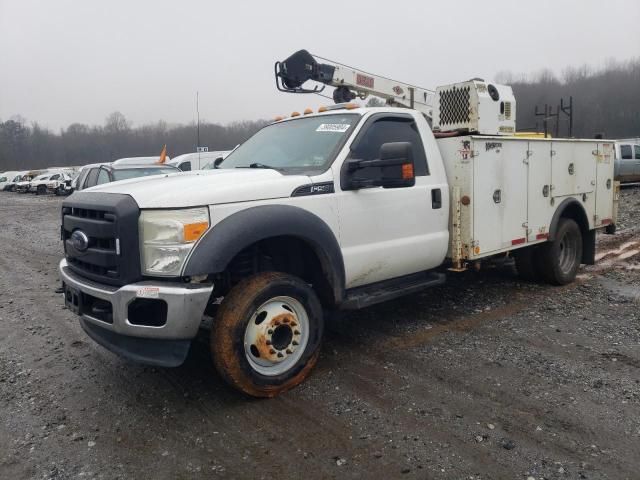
<point>339,209</point>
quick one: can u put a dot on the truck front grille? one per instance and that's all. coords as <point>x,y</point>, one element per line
<point>108,227</point>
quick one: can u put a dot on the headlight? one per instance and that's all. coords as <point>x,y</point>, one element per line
<point>167,237</point>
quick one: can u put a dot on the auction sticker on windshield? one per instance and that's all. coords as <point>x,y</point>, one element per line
<point>333,127</point>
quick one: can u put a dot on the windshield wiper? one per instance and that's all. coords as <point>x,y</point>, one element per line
<point>257,165</point>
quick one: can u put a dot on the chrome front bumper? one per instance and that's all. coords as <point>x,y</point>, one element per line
<point>185,305</point>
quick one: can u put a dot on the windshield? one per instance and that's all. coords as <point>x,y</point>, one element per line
<point>301,146</point>
<point>126,173</point>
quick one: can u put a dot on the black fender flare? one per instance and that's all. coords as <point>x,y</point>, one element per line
<point>588,236</point>
<point>225,240</point>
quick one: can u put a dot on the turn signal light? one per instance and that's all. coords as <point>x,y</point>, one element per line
<point>407,171</point>
<point>193,231</point>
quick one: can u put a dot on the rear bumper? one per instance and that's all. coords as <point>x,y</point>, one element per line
<point>148,322</point>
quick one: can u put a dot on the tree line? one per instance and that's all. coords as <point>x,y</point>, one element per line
<point>606,102</point>
<point>24,146</point>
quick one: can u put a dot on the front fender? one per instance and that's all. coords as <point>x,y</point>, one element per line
<point>225,240</point>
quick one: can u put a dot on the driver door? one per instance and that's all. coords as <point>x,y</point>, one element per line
<point>390,232</point>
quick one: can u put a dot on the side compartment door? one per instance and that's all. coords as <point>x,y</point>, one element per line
<point>572,168</point>
<point>391,232</point>
<point>604,187</point>
<point>539,208</point>
<point>500,194</point>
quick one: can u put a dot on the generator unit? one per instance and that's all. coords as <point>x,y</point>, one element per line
<point>475,107</point>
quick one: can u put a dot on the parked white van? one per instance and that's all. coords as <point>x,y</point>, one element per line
<point>6,178</point>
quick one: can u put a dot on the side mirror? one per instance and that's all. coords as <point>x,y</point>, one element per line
<point>217,162</point>
<point>394,169</point>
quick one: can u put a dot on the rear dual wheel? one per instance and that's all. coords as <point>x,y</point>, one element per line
<point>267,333</point>
<point>556,262</point>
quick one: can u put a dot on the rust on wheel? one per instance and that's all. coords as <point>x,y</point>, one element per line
<point>266,336</point>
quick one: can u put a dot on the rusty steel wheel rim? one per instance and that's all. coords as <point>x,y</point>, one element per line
<point>276,336</point>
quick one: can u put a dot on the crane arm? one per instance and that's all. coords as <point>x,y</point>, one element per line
<point>292,73</point>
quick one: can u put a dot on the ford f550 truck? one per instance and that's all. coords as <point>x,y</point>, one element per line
<point>340,209</point>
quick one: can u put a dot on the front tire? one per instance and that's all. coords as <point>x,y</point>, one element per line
<point>267,334</point>
<point>561,258</point>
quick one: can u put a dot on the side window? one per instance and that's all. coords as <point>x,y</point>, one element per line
<point>625,152</point>
<point>103,176</point>
<point>185,166</point>
<point>3,179</point>
<point>91,179</point>
<point>391,129</point>
<point>55,177</point>
<point>637,149</point>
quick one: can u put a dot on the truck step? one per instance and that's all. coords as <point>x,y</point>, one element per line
<point>361,297</point>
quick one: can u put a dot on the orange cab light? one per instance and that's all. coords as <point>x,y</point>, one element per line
<point>295,114</point>
<point>351,106</point>
<point>278,118</point>
<point>193,231</point>
<point>407,171</point>
<point>322,109</point>
<point>307,111</point>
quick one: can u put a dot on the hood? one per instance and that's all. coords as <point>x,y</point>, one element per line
<point>190,189</point>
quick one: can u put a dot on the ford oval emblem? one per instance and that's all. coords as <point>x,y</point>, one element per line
<point>79,240</point>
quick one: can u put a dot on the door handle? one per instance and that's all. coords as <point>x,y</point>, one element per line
<point>436,198</point>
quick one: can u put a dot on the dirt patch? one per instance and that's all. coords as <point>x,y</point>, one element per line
<point>485,377</point>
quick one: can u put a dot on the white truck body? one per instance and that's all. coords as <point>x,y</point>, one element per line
<point>514,186</point>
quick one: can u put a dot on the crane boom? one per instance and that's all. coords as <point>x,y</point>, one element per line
<point>296,70</point>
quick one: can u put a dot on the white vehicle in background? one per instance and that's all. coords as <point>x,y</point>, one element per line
<point>58,183</point>
<point>139,160</point>
<point>198,160</point>
<point>39,184</point>
<point>10,186</point>
<point>627,168</point>
<point>6,178</point>
<point>23,185</point>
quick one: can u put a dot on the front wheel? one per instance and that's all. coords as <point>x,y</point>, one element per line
<point>561,258</point>
<point>267,334</point>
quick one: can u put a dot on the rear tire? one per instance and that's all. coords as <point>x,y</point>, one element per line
<point>267,333</point>
<point>561,258</point>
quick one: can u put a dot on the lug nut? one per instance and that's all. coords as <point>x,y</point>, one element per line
<point>294,343</point>
<point>272,351</point>
<point>280,355</point>
<point>269,331</point>
<point>289,351</point>
<point>294,324</point>
<point>296,332</point>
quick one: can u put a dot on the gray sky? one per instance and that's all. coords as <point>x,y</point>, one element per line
<point>64,61</point>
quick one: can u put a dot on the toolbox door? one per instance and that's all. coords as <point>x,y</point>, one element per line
<point>500,194</point>
<point>604,188</point>
<point>539,208</point>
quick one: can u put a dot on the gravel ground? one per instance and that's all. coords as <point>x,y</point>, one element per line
<point>485,377</point>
